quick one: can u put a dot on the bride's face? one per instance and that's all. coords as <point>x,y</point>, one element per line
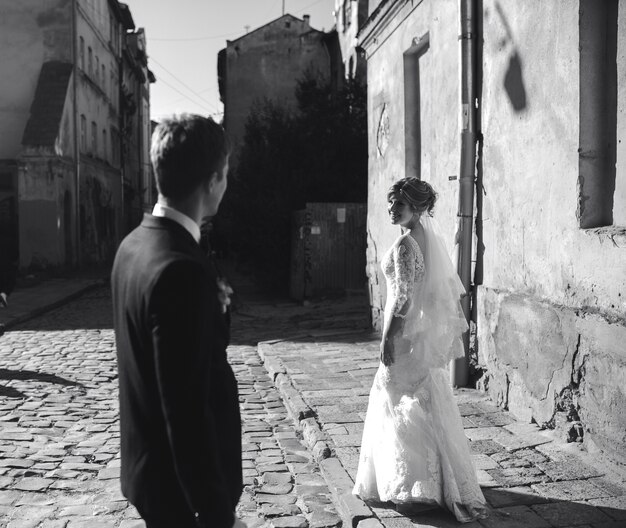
<point>400,212</point>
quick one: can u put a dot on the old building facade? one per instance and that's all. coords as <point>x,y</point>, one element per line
<point>61,127</point>
<point>350,15</point>
<point>267,63</point>
<point>136,130</point>
<point>550,270</point>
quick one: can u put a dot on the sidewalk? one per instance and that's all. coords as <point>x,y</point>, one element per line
<point>529,478</point>
<point>29,301</point>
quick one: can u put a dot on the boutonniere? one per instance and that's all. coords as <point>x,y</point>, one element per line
<point>224,291</point>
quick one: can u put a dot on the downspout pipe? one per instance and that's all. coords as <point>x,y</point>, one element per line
<point>77,227</point>
<point>459,372</point>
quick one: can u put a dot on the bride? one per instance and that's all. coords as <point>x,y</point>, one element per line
<point>414,451</point>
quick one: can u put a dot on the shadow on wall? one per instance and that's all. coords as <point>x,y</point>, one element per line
<point>514,77</point>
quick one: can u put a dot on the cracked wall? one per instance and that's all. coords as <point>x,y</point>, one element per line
<point>535,350</point>
<point>552,307</point>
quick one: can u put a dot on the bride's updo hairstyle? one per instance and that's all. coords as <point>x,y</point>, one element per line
<point>418,194</point>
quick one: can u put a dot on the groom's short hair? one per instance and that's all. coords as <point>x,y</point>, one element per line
<point>185,150</point>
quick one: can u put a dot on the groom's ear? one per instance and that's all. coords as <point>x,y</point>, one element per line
<point>211,181</point>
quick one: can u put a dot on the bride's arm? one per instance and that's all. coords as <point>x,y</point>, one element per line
<point>404,264</point>
<point>392,331</point>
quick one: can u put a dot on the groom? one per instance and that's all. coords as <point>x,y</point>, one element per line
<point>179,410</point>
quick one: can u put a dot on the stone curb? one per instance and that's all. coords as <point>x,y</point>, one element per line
<point>350,507</point>
<point>304,417</point>
<point>352,510</point>
<point>63,299</point>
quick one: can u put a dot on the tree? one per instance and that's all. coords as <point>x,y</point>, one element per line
<point>316,154</point>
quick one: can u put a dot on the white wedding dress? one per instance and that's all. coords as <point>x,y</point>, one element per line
<point>414,449</point>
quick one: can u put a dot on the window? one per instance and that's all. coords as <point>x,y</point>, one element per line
<point>90,61</point>
<point>81,51</point>
<point>113,87</point>
<point>104,78</point>
<point>94,138</point>
<point>114,35</point>
<point>97,70</point>
<point>105,154</point>
<point>115,147</point>
<point>598,106</point>
<point>83,133</point>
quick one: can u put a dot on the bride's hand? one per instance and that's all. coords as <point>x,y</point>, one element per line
<point>386,352</point>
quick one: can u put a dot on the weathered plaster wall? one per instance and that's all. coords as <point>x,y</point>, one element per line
<point>533,243</point>
<point>535,350</point>
<point>438,102</point>
<point>31,32</point>
<point>552,310</point>
<point>43,182</point>
<point>266,64</point>
<point>46,174</point>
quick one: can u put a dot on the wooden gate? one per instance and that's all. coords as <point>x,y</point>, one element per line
<point>328,245</point>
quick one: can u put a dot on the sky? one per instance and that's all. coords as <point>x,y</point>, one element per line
<point>185,36</point>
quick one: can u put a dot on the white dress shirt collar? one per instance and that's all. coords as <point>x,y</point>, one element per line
<point>165,211</point>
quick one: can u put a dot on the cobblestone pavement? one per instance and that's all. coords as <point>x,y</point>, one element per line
<point>303,394</point>
<point>59,436</point>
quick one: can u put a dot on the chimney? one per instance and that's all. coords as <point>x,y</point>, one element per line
<point>306,19</point>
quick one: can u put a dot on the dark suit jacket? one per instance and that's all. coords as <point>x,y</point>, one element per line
<point>179,410</point>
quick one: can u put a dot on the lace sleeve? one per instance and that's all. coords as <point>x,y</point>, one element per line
<point>404,267</point>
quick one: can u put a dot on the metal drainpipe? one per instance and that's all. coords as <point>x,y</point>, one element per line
<point>122,225</point>
<point>76,137</point>
<point>459,371</point>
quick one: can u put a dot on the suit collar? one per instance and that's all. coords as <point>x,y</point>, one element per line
<point>165,211</point>
<point>157,222</point>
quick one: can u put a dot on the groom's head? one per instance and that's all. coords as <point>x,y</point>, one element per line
<point>188,151</point>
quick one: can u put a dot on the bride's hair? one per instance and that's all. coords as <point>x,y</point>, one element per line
<point>419,194</point>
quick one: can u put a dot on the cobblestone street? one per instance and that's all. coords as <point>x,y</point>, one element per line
<point>59,438</point>
<point>303,393</point>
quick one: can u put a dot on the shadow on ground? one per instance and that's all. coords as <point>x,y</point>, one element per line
<point>258,314</point>
<point>94,312</point>
<point>23,375</point>
<point>511,509</point>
